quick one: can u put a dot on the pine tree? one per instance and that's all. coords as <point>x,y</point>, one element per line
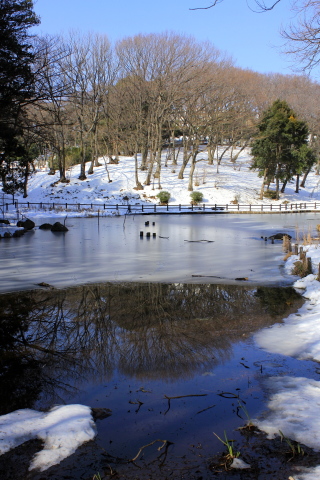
<point>16,87</point>
<point>276,150</point>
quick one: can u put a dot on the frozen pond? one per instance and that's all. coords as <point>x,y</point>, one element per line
<point>110,249</point>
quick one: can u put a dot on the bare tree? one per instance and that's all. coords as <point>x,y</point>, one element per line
<point>52,106</point>
<point>303,36</point>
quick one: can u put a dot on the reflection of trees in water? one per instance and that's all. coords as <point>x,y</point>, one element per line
<point>56,339</point>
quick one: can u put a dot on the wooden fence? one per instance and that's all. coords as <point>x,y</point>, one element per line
<point>170,208</point>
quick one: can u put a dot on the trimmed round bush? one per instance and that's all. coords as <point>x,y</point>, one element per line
<point>196,197</point>
<point>164,196</point>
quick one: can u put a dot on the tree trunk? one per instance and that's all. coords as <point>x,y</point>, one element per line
<point>284,186</point>
<point>82,175</point>
<point>192,168</point>
<point>150,169</point>
<point>302,184</point>
<point>183,166</point>
<point>174,156</point>
<point>144,158</point>
<point>263,184</point>
<point>235,157</point>
<point>25,181</point>
<point>220,157</point>
<point>138,184</point>
<point>277,188</point>
<point>211,150</point>
<point>297,183</point>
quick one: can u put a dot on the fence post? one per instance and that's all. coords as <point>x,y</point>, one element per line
<point>117,207</point>
<point>155,207</point>
<point>204,207</point>
<point>179,207</point>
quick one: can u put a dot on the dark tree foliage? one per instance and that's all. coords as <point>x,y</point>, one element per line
<point>16,87</point>
<point>279,150</point>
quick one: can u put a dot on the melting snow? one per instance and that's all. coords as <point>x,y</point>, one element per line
<point>63,429</point>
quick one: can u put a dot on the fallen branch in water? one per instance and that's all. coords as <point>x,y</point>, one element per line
<point>200,241</point>
<point>206,276</point>
<point>208,408</point>
<point>164,443</point>
<point>181,396</point>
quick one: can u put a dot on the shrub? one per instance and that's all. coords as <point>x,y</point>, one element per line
<point>196,197</point>
<point>164,196</point>
<point>301,268</point>
<point>270,194</point>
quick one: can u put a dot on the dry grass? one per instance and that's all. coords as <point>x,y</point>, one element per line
<point>288,255</point>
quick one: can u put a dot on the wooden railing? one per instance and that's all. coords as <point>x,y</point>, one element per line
<point>170,208</point>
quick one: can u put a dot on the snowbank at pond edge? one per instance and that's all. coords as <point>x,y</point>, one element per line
<point>63,429</point>
<point>295,402</point>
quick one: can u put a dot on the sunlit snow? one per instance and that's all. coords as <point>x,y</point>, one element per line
<point>294,403</point>
<point>221,185</point>
<point>63,429</point>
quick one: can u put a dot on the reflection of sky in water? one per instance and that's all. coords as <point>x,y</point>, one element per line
<point>111,250</point>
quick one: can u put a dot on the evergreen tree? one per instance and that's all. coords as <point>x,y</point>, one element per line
<point>16,88</point>
<point>279,150</point>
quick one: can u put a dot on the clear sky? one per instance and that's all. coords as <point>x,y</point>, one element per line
<point>251,39</point>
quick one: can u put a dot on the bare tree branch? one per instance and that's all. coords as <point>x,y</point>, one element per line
<point>261,4</point>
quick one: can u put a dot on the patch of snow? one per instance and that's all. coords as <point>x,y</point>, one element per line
<point>239,464</point>
<point>63,429</point>
<point>294,409</point>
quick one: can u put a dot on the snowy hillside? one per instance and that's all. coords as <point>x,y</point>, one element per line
<point>220,185</point>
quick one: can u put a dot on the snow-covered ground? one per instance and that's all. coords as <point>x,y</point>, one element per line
<point>63,429</point>
<point>294,403</point>
<point>219,185</point>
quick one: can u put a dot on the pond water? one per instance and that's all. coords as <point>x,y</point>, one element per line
<point>171,361</point>
<point>172,356</point>
<point>111,249</point>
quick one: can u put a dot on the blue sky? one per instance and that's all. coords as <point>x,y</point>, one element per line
<point>251,39</point>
